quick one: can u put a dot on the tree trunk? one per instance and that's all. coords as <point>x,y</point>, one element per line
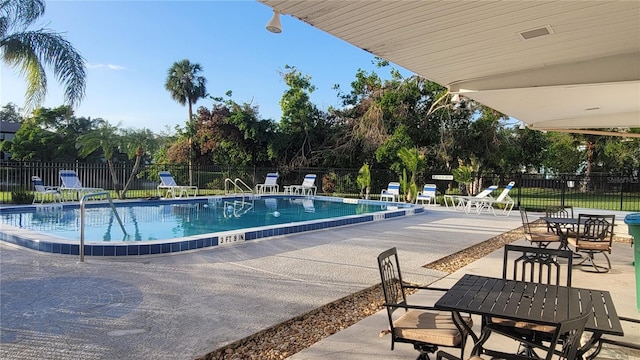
<point>133,173</point>
<point>190,143</point>
<point>114,178</point>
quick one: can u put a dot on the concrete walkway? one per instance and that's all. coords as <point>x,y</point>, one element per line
<point>185,305</point>
<point>362,341</point>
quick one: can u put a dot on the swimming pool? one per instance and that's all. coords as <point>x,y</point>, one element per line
<point>167,226</point>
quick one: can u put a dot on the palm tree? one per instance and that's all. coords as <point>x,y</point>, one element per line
<point>105,138</point>
<point>364,180</point>
<point>415,163</point>
<point>186,87</point>
<point>136,144</point>
<point>31,50</point>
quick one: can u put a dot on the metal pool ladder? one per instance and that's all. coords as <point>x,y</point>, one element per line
<point>239,207</point>
<point>115,212</point>
<point>238,186</point>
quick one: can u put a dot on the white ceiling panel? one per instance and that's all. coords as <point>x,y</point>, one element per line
<point>592,54</point>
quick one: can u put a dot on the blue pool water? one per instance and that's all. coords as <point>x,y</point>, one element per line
<point>170,226</point>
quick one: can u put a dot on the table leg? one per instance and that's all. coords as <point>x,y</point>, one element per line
<point>464,327</point>
<point>564,243</point>
<point>595,339</point>
<point>477,347</point>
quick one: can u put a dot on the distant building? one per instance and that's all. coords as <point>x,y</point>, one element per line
<point>8,131</point>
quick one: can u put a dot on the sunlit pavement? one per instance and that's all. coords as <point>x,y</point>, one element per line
<point>362,341</point>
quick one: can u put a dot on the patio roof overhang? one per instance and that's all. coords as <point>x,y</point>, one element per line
<point>550,64</point>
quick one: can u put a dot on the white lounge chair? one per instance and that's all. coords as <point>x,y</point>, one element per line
<point>43,192</point>
<point>428,194</point>
<point>71,185</point>
<point>502,199</point>
<point>270,184</point>
<point>391,193</point>
<point>307,187</point>
<point>172,188</point>
<point>461,202</point>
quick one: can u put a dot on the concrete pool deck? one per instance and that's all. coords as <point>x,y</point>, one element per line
<point>185,305</point>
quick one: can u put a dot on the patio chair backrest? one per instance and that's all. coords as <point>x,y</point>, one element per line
<point>595,228</point>
<point>70,179</point>
<point>166,179</point>
<point>271,179</point>
<point>487,191</point>
<point>569,334</point>
<point>559,211</point>
<point>392,285</point>
<point>429,189</point>
<point>505,192</point>
<point>393,188</point>
<point>38,184</point>
<point>525,221</point>
<point>539,265</point>
<point>309,180</point>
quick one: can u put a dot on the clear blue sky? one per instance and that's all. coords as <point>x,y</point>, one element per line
<point>129,46</point>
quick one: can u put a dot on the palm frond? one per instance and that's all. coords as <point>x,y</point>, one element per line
<point>21,13</point>
<point>31,50</point>
<point>18,54</point>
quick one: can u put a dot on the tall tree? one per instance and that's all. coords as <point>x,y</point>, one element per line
<point>31,50</point>
<point>49,135</point>
<point>187,87</point>
<point>562,155</point>
<point>137,144</point>
<point>218,139</point>
<point>105,138</point>
<point>10,113</point>
<point>301,122</point>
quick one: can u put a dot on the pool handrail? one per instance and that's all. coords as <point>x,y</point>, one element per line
<point>82,201</point>
<point>237,187</point>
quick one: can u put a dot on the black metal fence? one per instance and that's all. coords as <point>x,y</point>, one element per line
<point>533,191</point>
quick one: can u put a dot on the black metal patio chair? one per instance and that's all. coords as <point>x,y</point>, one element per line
<point>536,234</point>
<point>594,235</point>
<point>422,326</point>
<point>559,212</point>
<point>538,265</point>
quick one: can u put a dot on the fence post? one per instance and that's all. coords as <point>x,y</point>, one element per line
<point>519,182</point>
<point>563,182</point>
<point>621,190</point>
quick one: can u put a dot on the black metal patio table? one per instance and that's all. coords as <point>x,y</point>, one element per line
<point>532,302</point>
<point>562,222</point>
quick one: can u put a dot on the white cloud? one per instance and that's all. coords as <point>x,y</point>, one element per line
<point>105,66</point>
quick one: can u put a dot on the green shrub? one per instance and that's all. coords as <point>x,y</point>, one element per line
<point>21,197</point>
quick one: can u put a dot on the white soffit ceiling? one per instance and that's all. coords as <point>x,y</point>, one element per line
<point>579,67</point>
